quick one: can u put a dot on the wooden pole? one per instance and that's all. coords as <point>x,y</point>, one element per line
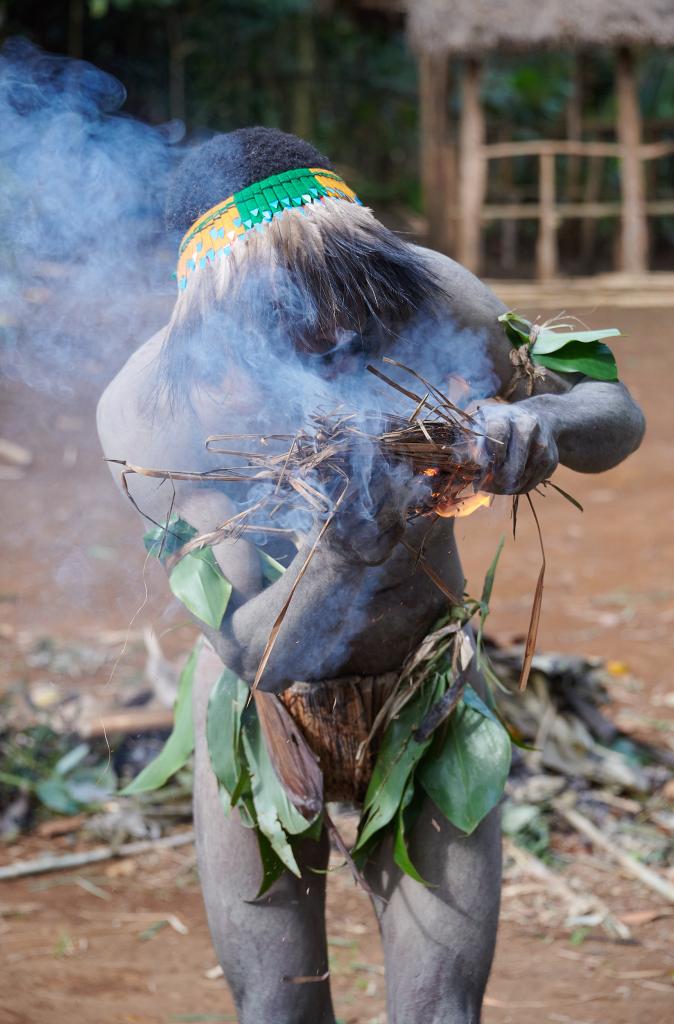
<point>546,248</point>
<point>177,51</point>
<point>472,167</point>
<point>588,227</point>
<point>76,28</point>
<point>305,67</point>
<point>634,232</point>
<point>508,225</point>
<point>435,151</point>
<point>574,128</point>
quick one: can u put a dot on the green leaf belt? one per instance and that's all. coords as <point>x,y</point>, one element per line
<point>454,751</point>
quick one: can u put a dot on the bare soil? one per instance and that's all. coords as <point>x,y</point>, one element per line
<point>73,569</point>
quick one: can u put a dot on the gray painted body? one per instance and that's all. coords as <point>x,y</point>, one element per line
<point>438,942</point>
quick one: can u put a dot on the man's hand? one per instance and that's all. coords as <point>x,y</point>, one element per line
<point>520,449</point>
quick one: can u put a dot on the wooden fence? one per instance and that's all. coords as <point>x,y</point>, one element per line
<point>633,208</point>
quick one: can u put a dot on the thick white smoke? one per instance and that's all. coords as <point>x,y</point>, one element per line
<point>82,189</point>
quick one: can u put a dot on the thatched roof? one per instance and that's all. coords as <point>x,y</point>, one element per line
<point>467,27</point>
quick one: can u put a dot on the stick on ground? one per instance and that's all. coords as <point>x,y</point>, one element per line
<point>40,865</point>
<point>575,900</point>
<point>628,864</point>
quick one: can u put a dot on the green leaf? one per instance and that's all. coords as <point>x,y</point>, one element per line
<point>591,359</point>
<point>400,852</point>
<point>276,816</point>
<point>466,777</point>
<point>199,583</point>
<point>271,569</point>
<point>18,781</point>
<point>315,830</point>
<point>54,794</point>
<point>564,349</point>
<point>488,584</point>
<point>245,807</point>
<point>550,340</point>
<point>241,789</point>
<point>164,542</point>
<point>565,494</point>
<point>471,698</point>
<point>223,727</point>
<point>487,588</point>
<point>180,744</point>
<point>517,327</point>
<point>398,755</point>
<point>70,760</point>
<point>272,866</point>
<point>197,580</point>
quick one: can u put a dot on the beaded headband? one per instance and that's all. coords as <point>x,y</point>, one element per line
<point>251,208</point>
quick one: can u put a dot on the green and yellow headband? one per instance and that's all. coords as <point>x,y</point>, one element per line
<point>253,208</point>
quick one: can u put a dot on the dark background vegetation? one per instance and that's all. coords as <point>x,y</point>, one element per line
<point>329,70</point>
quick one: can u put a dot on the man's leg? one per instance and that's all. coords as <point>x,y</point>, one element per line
<point>283,936</point>
<point>439,939</point>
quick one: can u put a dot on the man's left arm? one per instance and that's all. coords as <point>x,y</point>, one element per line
<point>590,427</point>
<point>585,424</point>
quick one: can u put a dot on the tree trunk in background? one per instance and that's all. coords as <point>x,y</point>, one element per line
<point>472,167</point>
<point>506,189</point>
<point>436,164</point>
<point>177,53</point>
<point>546,245</point>
<point>588,227</point>
<point>634,232</point>
<point>303,108</point>
<point>76,28</point>
<point>574,128</point>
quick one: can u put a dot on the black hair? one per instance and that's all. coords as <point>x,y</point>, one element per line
<point>302,281</point>
<point>227,163</point>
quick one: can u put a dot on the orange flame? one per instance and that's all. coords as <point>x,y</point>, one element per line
<point>464,506</point>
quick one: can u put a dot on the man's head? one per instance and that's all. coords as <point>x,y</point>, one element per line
<point>228,163</point>
<point>306,274</point>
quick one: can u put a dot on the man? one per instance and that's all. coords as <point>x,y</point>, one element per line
<point>297,294</point>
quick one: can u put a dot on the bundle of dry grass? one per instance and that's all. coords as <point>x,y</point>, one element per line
<point>312,468</point>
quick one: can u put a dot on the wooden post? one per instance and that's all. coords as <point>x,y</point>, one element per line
<point>574,128</point>
<point>506,186</point>
<point>588,228</point>
<point>76,28</point>
<point>546,248</point>
<point>435,151</point>
<point>472,167</point>
<point>177,52</point>
<point>634,233</point>
<point>305,68</point>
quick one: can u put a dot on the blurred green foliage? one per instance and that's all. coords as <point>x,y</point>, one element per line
<point>44,764</point>
<point>329,70</point>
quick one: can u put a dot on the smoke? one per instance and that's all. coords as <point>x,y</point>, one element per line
<point>82,189</point>
<point>86,274</point>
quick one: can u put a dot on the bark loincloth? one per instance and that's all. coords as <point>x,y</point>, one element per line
<point>336,717</point>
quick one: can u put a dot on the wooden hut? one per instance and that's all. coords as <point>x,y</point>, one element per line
<point>454,171</point>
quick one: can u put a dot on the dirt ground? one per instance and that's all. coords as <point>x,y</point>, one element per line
<point>90,946</point>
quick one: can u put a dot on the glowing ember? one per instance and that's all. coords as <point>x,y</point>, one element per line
<point>431,471</point>
<point>456,509</point>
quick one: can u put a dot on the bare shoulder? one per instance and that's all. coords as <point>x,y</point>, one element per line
<point>473,306</point>
<point>136,424</point>
<point>120,410</point>
<point>473,303</point>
